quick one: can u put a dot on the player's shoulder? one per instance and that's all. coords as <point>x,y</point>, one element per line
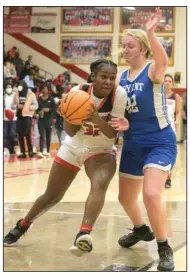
<point>74,89</point>
<point>83,86</point>
<point>120,91</point>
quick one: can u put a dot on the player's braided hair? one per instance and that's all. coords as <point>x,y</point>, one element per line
<point>98,64</point>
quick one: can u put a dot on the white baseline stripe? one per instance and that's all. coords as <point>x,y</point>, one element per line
<point>73,213</point>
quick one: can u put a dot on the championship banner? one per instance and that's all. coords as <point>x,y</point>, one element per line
<point>43,24</point>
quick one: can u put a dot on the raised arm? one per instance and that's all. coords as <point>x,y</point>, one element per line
<point>160,63</point>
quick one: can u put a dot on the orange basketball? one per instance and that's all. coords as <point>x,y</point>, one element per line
<point>73,106</point>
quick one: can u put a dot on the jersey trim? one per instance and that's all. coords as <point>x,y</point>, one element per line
<point>131,80</point>
<point>160,167</point>
<point>160,105</point>
<point>67,164</point>
<point>130,176</point>
<point>164,104</point>
<point>114,93</point>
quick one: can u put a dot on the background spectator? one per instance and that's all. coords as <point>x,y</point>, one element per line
<point>29,80</point>
<point>46,112</point>
<point>29,62</point>
<point>9,70</point>
<point>26,103</point>
<point>184,115</point>
<point>9,127</point>
<point>19,64</point>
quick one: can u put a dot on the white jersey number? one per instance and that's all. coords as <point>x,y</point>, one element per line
<point>132,105</point>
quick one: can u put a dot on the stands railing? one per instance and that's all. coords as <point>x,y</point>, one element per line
<point>45,74</point>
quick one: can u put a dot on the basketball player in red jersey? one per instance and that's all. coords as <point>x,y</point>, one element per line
<point>91,144</point>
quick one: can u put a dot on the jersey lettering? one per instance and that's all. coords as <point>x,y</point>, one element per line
<point>134,87</point>
<point>91,129</point>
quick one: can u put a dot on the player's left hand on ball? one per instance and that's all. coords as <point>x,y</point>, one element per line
<point>91,112</point>
<point>119,124</point>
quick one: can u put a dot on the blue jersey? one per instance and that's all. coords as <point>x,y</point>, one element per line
<point>146,104</point>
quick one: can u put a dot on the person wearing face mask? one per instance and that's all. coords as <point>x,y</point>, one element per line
<point>9,127</point>
<point>26,104</point>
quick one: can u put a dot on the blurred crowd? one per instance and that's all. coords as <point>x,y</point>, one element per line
<point>31,106</point>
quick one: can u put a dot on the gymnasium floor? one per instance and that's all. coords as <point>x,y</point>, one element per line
<point>45,247</point>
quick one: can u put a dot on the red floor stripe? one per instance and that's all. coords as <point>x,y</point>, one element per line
<point>15,159</point>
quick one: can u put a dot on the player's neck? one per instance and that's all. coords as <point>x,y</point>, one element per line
<point>138,65</point>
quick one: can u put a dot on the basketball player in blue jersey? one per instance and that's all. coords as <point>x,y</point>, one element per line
<point>149,149</point>
<point>91,144</point>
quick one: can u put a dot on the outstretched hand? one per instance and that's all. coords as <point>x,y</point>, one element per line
<point>154,20</point>
<point>119,124</point>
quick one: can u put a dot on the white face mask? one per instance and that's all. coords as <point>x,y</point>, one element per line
<point>20,88</point>
<point>9,91</point>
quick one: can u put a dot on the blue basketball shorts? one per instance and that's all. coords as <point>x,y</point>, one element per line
<point>157,150</point>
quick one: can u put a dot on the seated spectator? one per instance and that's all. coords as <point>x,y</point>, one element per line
<point>9,125</point>
<point>26,103</point>
<point>29,62</point>
<point>9,70</point>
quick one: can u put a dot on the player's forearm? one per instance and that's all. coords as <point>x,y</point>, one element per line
<point>178,116</point>
<point>106,129</point>
<point>71,129</point>
<point>159,54</point>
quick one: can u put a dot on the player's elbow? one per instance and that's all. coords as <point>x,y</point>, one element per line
<point>111,134</point>
<point>70,133</point>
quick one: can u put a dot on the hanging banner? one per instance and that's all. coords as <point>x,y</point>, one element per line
<point>43,24</point>
<point>5,22</point>
<point>17,24</point>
